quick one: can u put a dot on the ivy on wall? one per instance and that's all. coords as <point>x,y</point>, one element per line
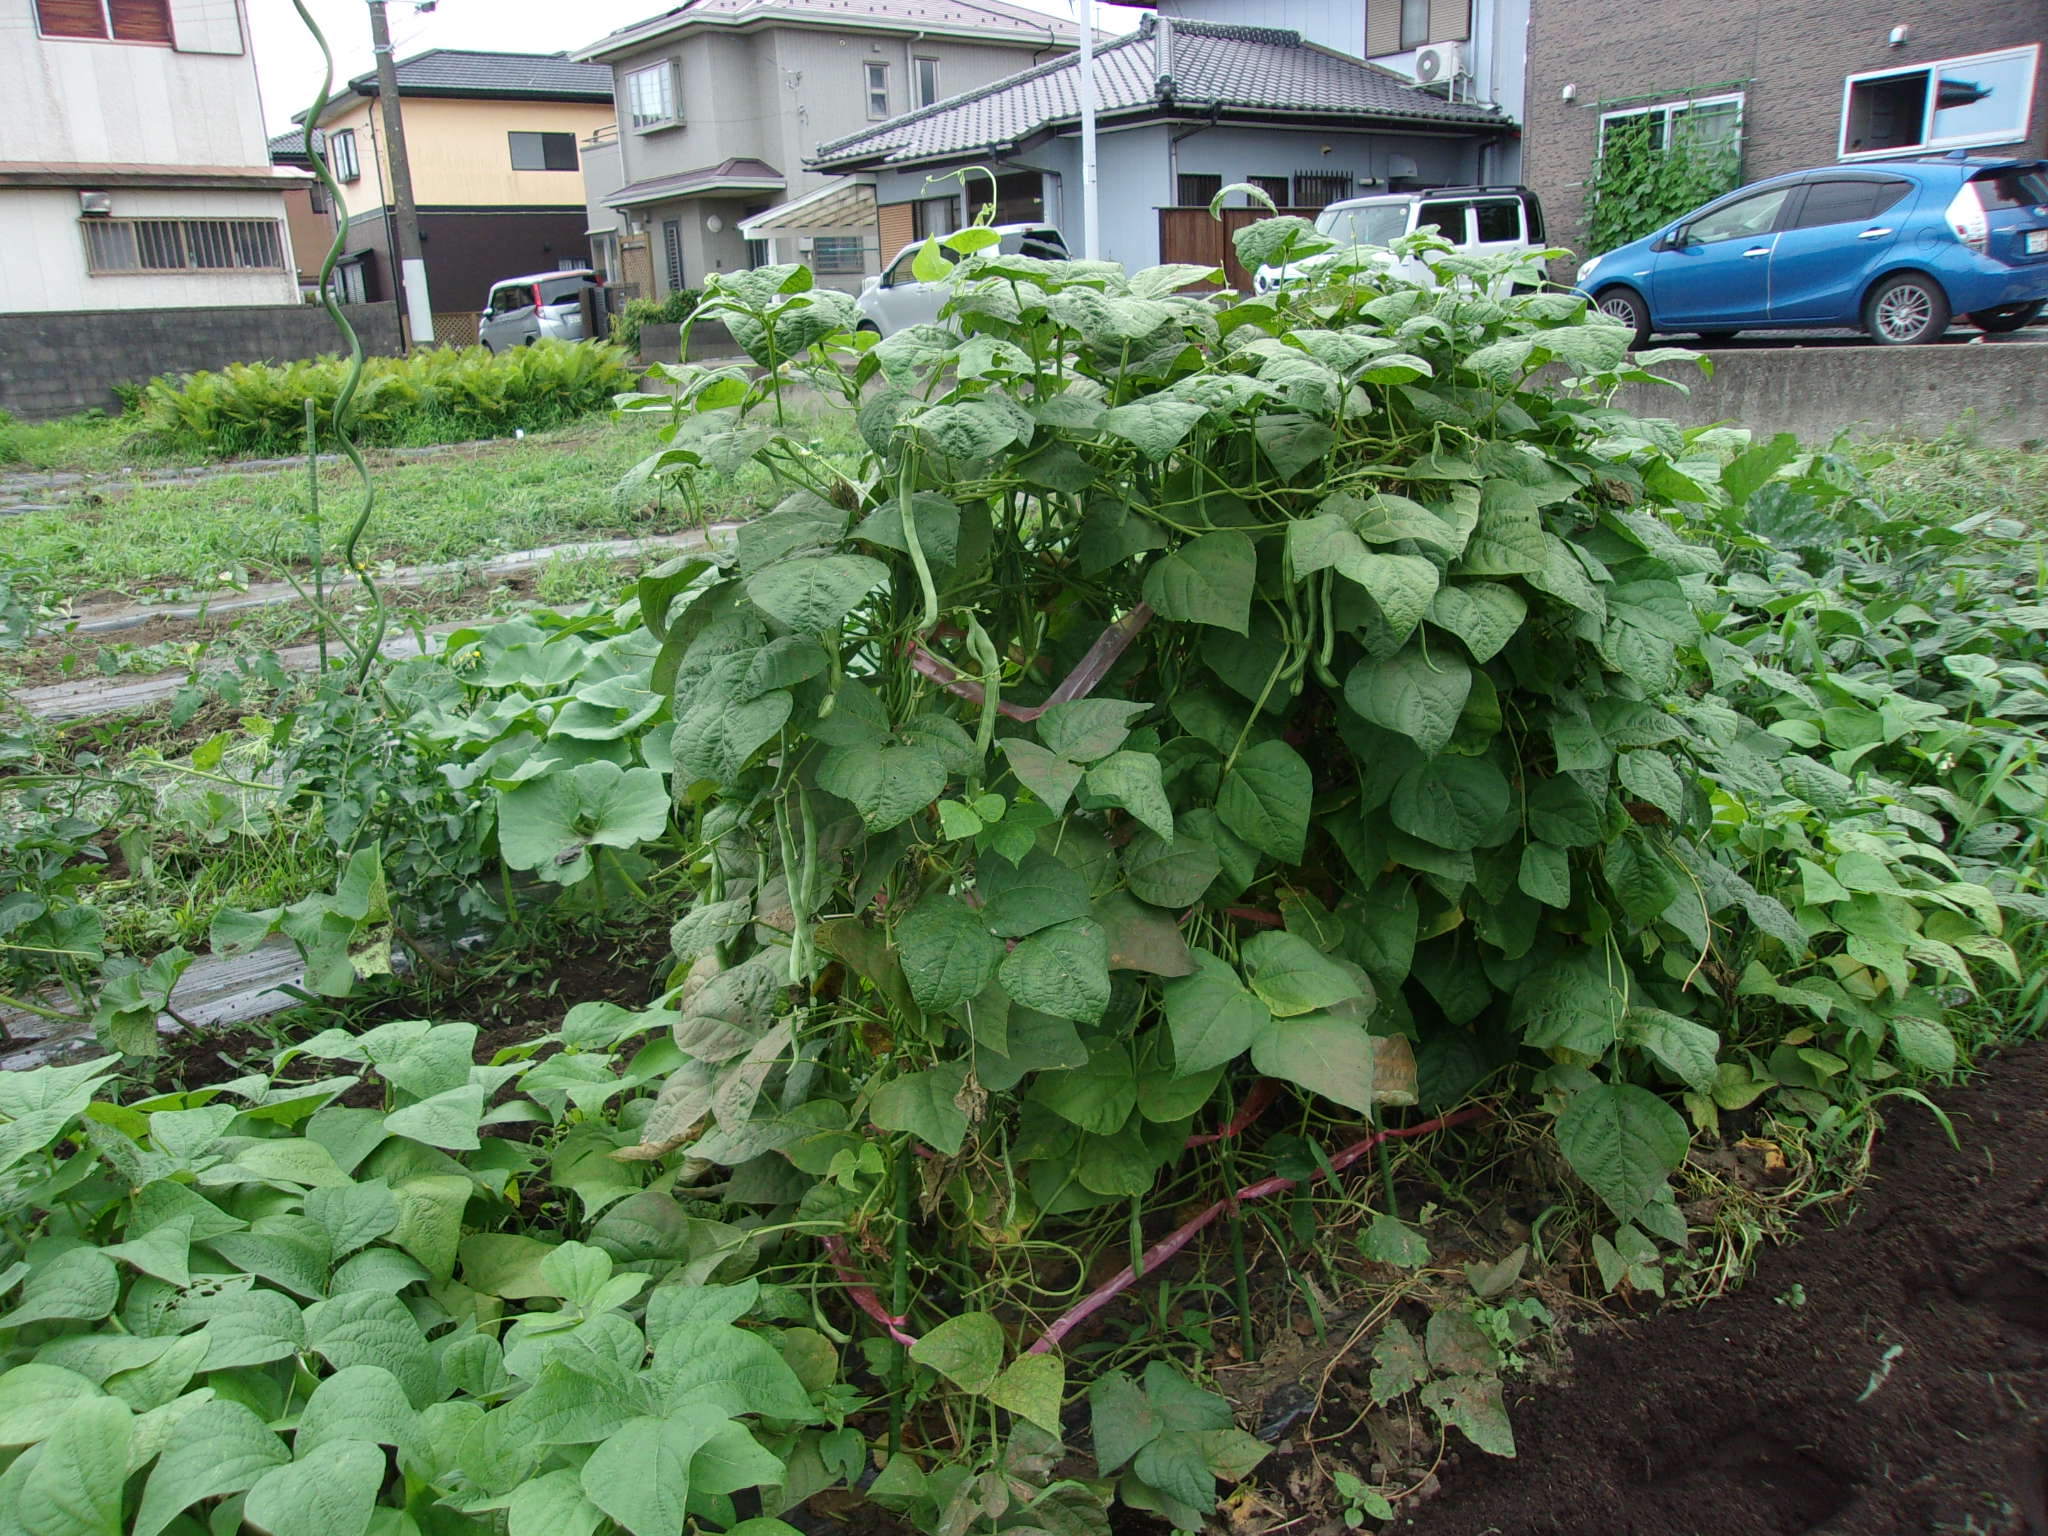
<point>1652,168</point>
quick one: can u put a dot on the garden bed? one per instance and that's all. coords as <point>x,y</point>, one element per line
<point>1887,1375</point>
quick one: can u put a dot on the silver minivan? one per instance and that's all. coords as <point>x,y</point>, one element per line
<point>897,299</point>
<point>523,310</point>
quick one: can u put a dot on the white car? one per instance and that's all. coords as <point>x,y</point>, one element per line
<point>540,306</point>
<point>1479,221</point>
<point>897,299</point>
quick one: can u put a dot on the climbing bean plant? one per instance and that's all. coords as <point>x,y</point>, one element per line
<point>1192,697</point>
<point>1651,169</point>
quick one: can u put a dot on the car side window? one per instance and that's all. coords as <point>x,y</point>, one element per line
<point>1847,202</point>
<point>1498,222</point>
<point>1447,219</point>
<point>899,269</point>
<point>505,299</point>
<point>1741,220</point>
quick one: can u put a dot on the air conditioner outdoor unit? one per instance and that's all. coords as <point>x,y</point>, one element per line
<point>1439,63</point>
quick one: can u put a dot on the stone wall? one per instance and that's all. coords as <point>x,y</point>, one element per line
<point>57,363</point>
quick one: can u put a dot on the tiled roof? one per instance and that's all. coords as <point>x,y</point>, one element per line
<point>1252,72</point>
<point>727,175</point>
<point>524,76</point>
<point>289,149</point>
<point>992,19</point>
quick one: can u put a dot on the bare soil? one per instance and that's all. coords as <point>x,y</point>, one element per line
<point>1886,1377</point>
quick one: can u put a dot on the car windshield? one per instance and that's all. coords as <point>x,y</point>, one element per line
<point>1373,224</point>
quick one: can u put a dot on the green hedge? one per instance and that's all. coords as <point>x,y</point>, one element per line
<point>436,395</point>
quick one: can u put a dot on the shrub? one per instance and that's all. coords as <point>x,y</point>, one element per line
<point>671,310</point>
<point>440,394</point>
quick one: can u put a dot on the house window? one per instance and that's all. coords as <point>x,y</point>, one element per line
<point>934,216</point>
<point>182,245</point>
<point>651,96</point>
<point>1709,123</point>
<point>924,74</point>
<point>122,21</point>
<point>543,151</point>
<point>1414,23</point>
<point>1197,191</point>
<point>1985,98</point>
<point>317,198</point>
<point>836,253</point>
<point>878,90</point>
<point>1274,187</point>
<point>341,155</point>
<point>1318,189</point>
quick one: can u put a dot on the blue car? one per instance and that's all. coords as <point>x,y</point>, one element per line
<point>1897,249</point>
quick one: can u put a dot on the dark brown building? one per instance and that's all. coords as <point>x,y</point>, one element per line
<point>1795,82</point>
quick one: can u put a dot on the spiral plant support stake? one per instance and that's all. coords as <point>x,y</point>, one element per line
<point>365,654</point>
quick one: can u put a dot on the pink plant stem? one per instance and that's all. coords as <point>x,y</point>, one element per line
<point>1077,684</point>
<point>1264,1091</point>
<point>862,1293</point>
<point>1182,1235</point>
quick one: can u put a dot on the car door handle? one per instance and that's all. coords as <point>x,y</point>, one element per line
<point>1758,250</point>
<point>1875,234</point>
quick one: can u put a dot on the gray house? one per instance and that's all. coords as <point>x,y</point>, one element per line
<point>1184,108</point>
<point>722,104</point>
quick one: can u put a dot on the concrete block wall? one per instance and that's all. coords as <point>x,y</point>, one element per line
<point>61,362</point>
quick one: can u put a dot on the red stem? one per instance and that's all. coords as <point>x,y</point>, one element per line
<point>862,1293</point>
<point>1264,1091</point>
<point>1182,1235</point>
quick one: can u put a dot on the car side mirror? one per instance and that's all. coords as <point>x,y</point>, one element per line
<point>1671,240</point>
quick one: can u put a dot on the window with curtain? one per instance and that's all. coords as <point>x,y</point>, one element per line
<point>121,21</point>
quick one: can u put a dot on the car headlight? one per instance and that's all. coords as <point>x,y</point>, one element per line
<point>1586,269</point>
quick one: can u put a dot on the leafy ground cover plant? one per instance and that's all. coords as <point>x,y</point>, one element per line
<point>440,394</point>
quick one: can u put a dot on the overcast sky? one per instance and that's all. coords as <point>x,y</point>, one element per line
<point>288,60</point>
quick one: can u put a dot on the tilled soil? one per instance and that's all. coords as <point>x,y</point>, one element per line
<point>1886,1376</point>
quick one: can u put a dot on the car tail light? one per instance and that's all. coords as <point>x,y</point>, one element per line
<point>1967,218</point>
<point>537,300</point>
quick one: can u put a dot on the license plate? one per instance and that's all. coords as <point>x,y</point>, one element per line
<point>2037,242</point>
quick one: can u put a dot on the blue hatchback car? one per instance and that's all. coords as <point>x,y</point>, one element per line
<point>1897,249</point>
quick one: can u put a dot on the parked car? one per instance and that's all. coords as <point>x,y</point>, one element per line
<point>1896,248</point>
<point>897,299</point>
<point>523,310</point>
<point>1480,221</point>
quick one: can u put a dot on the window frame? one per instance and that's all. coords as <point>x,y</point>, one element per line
<point>839,266</point>
<point>227,234</point>
<point>1676,105</point>
<point>540,138</point>
<point>921,66</point>
<point>168,40</point>
<point>1933,69</point>
<point>339,149</point>
<point>672,89</point>
<point>869,68</point>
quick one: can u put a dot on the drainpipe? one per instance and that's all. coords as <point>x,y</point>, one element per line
<point>1091,208</point>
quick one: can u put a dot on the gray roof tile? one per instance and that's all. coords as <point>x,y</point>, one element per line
<point>1247,70</point>
<point>463,72</point>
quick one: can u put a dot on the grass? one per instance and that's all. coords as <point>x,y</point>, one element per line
<point>549,488</point>
<point>1954,474</point>
<point>90,443</point>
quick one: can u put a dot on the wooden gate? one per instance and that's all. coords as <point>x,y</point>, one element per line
<point>1189,234</point>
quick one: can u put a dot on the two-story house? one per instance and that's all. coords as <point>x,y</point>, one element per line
<point>134,173</point>
<point>491,140</point>
<point>1794,84</point>
<point>721,104</point>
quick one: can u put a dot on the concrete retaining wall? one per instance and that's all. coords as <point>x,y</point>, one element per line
<point>660,339</point>
<point>1996,392</point>
<point>55,363</point>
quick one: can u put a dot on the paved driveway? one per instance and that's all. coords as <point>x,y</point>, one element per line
<point>1961,334</point>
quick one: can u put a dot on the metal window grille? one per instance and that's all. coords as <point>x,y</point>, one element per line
<point>1198,189</point>
<point>1318,189</point>
<point>183,245</point>
<point>836,253</point>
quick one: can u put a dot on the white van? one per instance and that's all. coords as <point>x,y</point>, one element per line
<point>1479,221</point>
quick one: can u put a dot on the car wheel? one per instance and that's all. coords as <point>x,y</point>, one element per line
<point>870,327</point>
<point>1630,308</point>
<point>2007,317</point>
<point>1906,310</point>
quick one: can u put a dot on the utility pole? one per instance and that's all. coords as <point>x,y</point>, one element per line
<point>411,261</point>
<point>1091,208</point>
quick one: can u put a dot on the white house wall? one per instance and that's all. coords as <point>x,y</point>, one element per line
<point>42,256</point>
<point>125,103</point>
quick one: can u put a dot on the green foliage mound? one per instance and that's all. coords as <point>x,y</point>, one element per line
<point>439,394</point>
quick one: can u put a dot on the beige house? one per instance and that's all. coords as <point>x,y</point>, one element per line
<point>722,102</point>
<point>133,163</point>
<point>492,140</point>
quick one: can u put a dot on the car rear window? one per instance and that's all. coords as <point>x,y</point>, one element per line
<point>563,290</point>
<point>2012,189</point>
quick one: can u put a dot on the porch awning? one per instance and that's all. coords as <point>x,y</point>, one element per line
<point>840,201</point>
